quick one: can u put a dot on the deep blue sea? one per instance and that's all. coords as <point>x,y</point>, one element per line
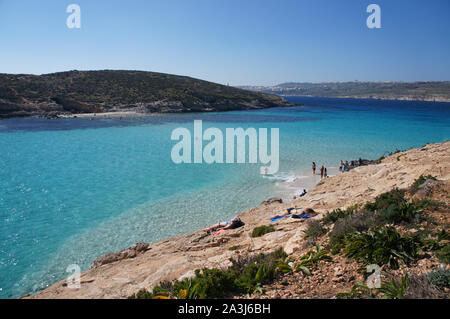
<point>72,190</point>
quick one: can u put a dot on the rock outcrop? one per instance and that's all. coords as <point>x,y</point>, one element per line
<point>272,200</point>
<point>132,252</point>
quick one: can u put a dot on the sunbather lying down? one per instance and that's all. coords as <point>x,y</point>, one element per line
<point>294,213</point>
<point>283,214</point>
<point>232,224</point>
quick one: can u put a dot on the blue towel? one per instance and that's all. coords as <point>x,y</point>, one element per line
<point>301,216</point>
<point>277,218</point>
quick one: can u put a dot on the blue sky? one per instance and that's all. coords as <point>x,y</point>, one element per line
<point>239,42</point>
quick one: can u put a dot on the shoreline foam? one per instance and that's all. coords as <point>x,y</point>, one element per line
<point>299,180</point>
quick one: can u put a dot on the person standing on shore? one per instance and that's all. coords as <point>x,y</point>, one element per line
<point>341,166</point>
<point>322,171</point>
<point>325,174</point>
<point>314,168</point>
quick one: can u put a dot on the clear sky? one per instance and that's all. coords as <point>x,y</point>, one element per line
<point>254,42</point>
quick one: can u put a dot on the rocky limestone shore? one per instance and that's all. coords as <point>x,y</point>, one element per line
<point>122,274</point>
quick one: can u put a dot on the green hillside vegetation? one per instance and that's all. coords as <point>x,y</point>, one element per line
<point>104,91</point>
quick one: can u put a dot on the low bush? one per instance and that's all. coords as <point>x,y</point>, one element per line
<point>358,291</point>
<point>429,243</point>
<point>404,212</point>
<point>262,230</point>
<point>384,245</point>
<point>359,222</point>
<point>438,245</point>
<point>419,181</point>
<point>312,259</point>
<point>393,208</point>
<point>314,230</point>
<point>395,289</point>
<point>380,159</point>
<point>444,254</point>
<point>337,214</point>
<point>439,278</point>
<point>430,204</point>
<point>142,294</point>
<point>385,200</point>
<point>246,275</point>
<point>406,287</point>
<point>420,287</point>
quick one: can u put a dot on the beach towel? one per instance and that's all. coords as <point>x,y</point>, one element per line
<point>301,216</point>
<point>277,218</point>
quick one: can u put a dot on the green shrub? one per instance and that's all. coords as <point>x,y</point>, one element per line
<point>254,275</point>
<point>444,254</point>
<point>246,275</point>
<point>344,227</point>
<point>385,200</point>
<point>358,291</point>
<point>142,294</point>
<point>337,214</point>
<point>380,159</point>
<point>404,212</point>
<point>314,230</point>
<point>395,289</point>
<point>429,204</point>
<point>438,245</point>
<point>420,287</point>
<point>406,287</point>
<point>312,259</point>
<point>393,208</point>
<point>419,181</point>
<point>262,230</point>
<point>210,283</point>
<point>439,278</point>
<point>432,244</point>
<point>382,246</point>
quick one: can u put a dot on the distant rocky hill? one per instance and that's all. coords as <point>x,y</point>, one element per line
<point>420,91</point>
<point>77,92</point>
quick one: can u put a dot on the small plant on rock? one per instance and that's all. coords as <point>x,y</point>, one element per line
<point>311,259</point>
<point>262,230</point>
<point>440,278</point>
<point>395,289</point>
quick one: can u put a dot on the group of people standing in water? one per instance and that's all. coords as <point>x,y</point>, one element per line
<point>323,170</point>
<point>343,167</point>
<point>347,166</point>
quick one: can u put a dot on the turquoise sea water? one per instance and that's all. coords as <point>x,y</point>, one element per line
<point>72,190</point>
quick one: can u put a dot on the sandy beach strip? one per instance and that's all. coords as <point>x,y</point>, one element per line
<point>120,114</point>
<point>301,179</point>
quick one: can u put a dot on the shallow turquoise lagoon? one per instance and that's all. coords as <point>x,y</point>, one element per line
<point>72,190</point>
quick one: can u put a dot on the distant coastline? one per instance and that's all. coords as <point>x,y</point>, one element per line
<point>404,91</point>
<point>384,98</point>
